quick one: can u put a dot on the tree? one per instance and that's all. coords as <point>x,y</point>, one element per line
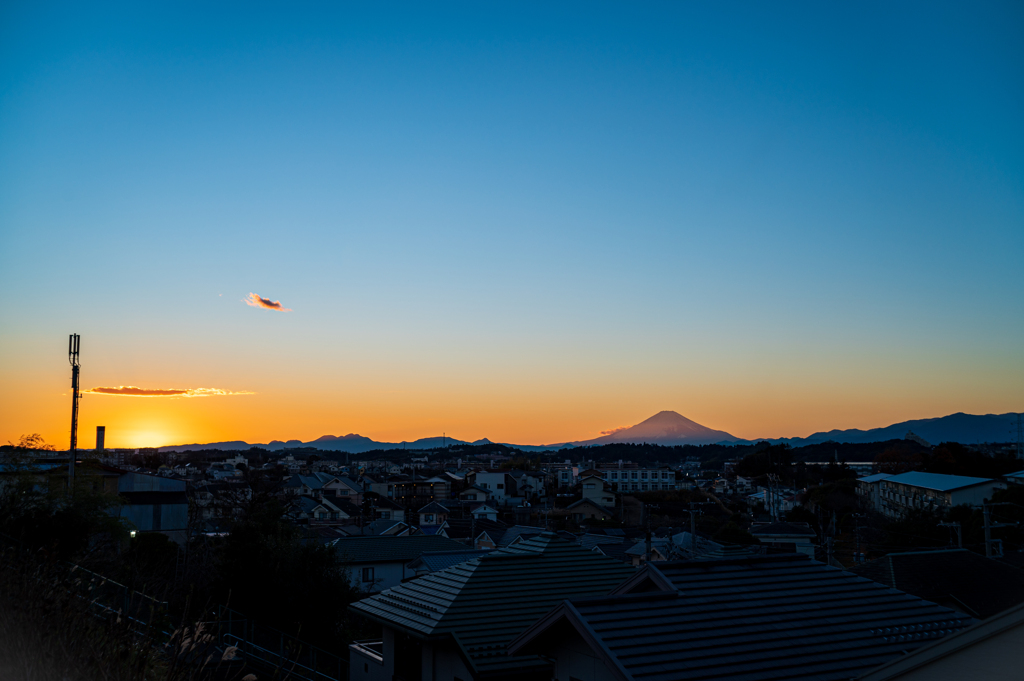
<point>33,441</point>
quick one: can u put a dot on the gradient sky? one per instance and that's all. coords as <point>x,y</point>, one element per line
<point>526,222</point>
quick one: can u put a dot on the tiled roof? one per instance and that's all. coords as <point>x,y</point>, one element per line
<point>384,502</point>
<point>589,541</point>
<point>442,560</point>
<point>936,481</point>
<point>875,478</point>
<point>485,602</point>
<point>761,618</point>
<point>616,551</point>
<point>956,577</point>
<point>391,549</point>
<point>461,528</point>
<point>434,507</point>
<point>516,531</point>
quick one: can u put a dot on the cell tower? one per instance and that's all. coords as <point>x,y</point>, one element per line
<point>73,342</point>
<point>1020,438</point>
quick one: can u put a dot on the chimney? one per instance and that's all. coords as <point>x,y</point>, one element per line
<point>101,435</point>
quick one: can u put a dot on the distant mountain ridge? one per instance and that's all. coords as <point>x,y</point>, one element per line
<point>968,429</point>
<point>670,428</point>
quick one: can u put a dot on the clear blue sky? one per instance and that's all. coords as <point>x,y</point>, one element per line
<point>519,221</point>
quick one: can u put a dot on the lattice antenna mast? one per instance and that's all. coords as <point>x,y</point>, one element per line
<point>1020,437</point>
<point>73,343</point>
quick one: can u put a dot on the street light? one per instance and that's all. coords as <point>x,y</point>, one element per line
<point>132,534</point>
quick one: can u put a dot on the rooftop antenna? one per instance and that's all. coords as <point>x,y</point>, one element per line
<point>73,343</point>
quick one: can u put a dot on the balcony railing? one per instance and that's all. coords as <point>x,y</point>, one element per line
<point>371,649</point>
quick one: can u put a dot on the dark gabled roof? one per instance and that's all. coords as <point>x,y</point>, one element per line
<point>948,649</point>
<point>583,502</point>
<point>442,560</point>
<point>434,507</point>
<point>782,528</point>
<point>517,531</point>
<point>347,507</point>
<point>391,549</point>
<point>462,528</point>
<point>958,578</point>
<point>616,551</point>
<point>589,540</point>
<point>485,602</point>
<point>384,502</point>
<point>767,618</point>
<point>383,527</point>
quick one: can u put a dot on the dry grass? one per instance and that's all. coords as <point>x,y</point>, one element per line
<point>50,630</point>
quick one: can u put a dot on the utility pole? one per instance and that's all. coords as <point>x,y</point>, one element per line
<point>988,530</point>
<point>647,554</point>
<point>959,532</point>
<point>73,343</point>
<point>987,514</point>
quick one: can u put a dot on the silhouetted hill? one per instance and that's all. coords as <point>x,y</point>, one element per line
<point>967,429</point>
<point>664,428</point>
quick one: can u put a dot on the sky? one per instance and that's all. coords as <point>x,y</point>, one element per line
<point>531,222</point>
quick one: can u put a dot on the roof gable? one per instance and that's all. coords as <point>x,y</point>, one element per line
<point>471,600</point>
<point>770,617</point>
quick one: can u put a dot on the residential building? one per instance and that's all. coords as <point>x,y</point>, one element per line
<point>433,514</point>
<point>624,479</point>
<point>456,623</point>
<point>155,503</point>
<point>434,561</point>
<point>484,512</point>
<point>387,509</point>
<point>500,485</point>
<point>585,509</point>
<point>418,493</point>
<point>381,562</point>
<point>869,489</point>
<point>595,489</point>
<point>783,536</point>
<point>899,494</point>
<point>474,493</point>
<point>778,617</point>
<point>959,579</point>
<point>987,650</point>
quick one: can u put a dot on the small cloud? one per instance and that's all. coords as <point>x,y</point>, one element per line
<point>133,391</point>
<point>254,300</point>
<point>614,430</point>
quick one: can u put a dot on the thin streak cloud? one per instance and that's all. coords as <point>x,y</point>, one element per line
<point>133,391</point>
<point>253,300</point>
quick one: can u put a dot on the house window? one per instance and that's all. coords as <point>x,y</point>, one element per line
<point>615,475</point>
<point>634,477</point>
<point>501,486</point>
<point>368,574</point>
<point>471,497</point>
<point>589,485</point>
<point>428,517</point>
